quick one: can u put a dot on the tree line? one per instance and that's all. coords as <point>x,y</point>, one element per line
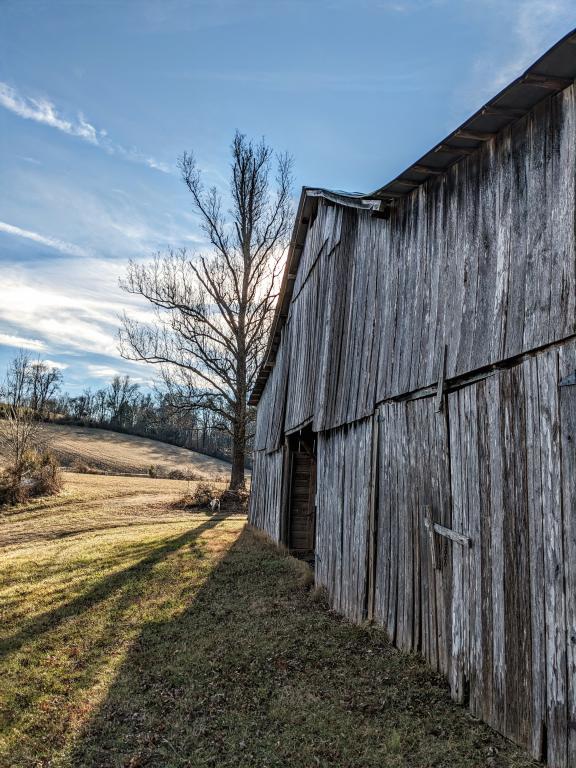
<point>121,405</point>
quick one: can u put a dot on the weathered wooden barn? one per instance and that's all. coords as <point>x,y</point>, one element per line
<point>416,429</point>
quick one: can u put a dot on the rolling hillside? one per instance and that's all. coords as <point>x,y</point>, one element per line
<point>116,453</point>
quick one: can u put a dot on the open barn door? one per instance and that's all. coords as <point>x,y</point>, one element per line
<point>301,513</point>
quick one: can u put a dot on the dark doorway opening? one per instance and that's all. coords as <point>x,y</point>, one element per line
<point>301,517</point>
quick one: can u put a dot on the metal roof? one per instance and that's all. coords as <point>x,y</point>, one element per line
<point>553,72</point>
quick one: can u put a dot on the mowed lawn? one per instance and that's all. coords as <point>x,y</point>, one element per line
<point>135,634</point>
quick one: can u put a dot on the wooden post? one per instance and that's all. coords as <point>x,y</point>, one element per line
<point>439,402</point>
<point>372,525</point>
<point>431,542</point>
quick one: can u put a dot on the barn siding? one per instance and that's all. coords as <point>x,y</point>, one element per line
<point>342,509</point>
<point>270,414</point>
<point>266,497</point>
<point>413,588</point>
<point>474,269</point>
<point>513,458</point>
<point>480,259</point>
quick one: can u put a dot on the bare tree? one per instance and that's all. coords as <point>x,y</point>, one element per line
<point>18,435</point>
<point>120,399</point>
<point>18,427</point>
<point>213,311</point>
<point>16,386</point>
<point>44,383</point>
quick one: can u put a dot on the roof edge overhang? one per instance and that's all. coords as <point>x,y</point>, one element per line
<point>554,71</point>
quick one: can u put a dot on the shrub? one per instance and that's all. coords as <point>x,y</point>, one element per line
<point>153,470</point>
<point>176,474</point>
<point>204,493</point>
<point>84,469</point>
<point>48,478</point>
<point>36,474</point>
<point>235,502</point>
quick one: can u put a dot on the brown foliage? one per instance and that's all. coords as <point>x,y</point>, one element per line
<point>36,474</point>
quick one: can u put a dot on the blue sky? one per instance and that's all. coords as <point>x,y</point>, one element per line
<point>98,99</point>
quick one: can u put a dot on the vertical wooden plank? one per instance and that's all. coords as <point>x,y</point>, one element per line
<point>536,543</point>
<point>458,669</point>
<point>556,694</point>
<point>567,406</point>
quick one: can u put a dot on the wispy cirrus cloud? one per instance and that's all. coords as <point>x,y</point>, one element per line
<point>532,27</point>
<point>52,242</point>
<point>56,364</point>
<point>21,342</point>
<point>42,110</point>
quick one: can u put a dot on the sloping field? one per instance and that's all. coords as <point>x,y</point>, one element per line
<point>134,634</point>
<point>113,452</point>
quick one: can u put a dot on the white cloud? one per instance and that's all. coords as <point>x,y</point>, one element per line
<point>535,25</point>
<point>69,306</point>
<point>51,242</point>
<point>42,110</point>
<point>110,224</point>
<point>102,371</point>
<point>56,364</point>
<point>532,27</point>
<point>10,340</point>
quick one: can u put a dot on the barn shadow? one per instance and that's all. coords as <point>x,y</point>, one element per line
<point>50,620</point>
<point>255,672</point>
<point>158,709</point>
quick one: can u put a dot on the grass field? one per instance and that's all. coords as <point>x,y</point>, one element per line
<point>114,452</point>
<point>135,634</point>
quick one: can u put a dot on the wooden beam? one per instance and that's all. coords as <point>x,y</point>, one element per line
<point>455,150</point>
<point>448,533</point>
<point>464,133</point>
<point>408,183</point>
<point>506,112</point>
<point>428,170</point>
<point>372,517</point>
<point>439,400</point>
<point>431,543</point>
<point>384,194</point>
<point>551,82</point>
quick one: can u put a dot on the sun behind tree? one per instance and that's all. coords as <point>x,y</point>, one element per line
<point>214,310</point>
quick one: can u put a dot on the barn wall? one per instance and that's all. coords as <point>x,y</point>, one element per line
<point>412,582</point>
<point>478,266</point>
<point>513,454</point>
<point>270,415</point>
<point>498,616</point>
<point>266,496</point>
<point>342,506</point>
<point>480,260</point>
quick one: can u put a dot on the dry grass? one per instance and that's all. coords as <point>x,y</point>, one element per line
<point>137,635</point>
<point>116,453</point>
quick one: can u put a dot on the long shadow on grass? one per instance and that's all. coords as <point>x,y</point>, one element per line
<point>50,620</point>
<point>255,673</point>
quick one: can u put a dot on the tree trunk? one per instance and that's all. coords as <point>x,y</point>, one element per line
<point>238,453</point>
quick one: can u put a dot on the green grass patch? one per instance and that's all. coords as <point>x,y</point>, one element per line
<point>187,642</point>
